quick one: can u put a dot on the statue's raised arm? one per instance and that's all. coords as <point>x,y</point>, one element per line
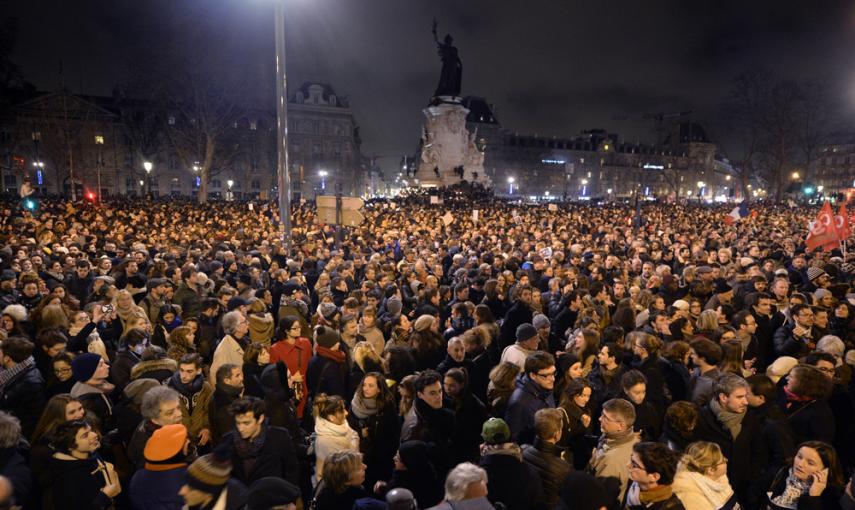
<point>451,77</point>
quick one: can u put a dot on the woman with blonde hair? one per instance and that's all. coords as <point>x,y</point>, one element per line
<point>707,325</point>
<point>137,320</point>
<point>126,308</point>
<point>701,481</point>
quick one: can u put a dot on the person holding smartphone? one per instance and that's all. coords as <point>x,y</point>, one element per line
<point>814,481</point>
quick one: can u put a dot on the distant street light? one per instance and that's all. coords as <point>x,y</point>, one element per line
<point>324,174</point>
<point>147,166</point>
<point>795,176</point>
<point>511,185</point>
<point>99,141</point>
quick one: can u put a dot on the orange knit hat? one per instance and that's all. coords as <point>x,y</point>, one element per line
<point>165,443</point>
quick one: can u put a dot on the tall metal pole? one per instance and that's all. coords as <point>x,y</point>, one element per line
<point>283,173</point>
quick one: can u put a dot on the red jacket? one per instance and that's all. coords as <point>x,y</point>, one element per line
<point>297,358</point>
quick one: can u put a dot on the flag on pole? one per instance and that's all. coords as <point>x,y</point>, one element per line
<point>823,232</point>
<point>737,213</point>
<point>842,222</point>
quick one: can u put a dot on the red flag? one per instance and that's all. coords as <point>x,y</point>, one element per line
<point>823,231</point>
<point>842,222</point>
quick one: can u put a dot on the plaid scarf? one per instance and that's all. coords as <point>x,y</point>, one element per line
<point>11,374</point>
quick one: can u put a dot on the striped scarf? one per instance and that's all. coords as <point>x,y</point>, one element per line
<point>10,374</point>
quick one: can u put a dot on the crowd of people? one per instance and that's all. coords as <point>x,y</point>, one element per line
<point>168,355</point>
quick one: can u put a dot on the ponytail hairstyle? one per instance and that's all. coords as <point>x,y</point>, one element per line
<point>327,405</point>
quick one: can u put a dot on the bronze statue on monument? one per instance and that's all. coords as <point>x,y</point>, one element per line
<point>451,77</point>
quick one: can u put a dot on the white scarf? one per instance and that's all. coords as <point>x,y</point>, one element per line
<point>718,492</point>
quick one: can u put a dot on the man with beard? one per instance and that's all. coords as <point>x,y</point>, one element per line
<point>194,395</point>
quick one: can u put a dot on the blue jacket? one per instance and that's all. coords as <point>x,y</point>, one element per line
<point>158,490</point>
<point>527,399</point>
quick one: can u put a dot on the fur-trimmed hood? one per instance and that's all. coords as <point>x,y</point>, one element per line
<point>155,365</point>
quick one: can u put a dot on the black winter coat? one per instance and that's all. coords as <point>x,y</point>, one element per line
<point>746,455</point>
<point>811,421</point>
<point>657,393</point>
<point>470,414</point>
<point>220,419</point>
<point>510,481</point>
<point>276,458</point>
<point>552,469</point>
<point>14,467</point>
<point>326,376</point>
<point>120,369</point>
<point>517,314</point>
<point>25,398</point>
<point>379,436</point>
<point>527,399</point>
<point>77,484</point>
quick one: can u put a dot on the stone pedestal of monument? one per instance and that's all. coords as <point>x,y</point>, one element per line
<point>448,147</point>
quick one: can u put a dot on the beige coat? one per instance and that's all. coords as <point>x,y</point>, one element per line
<point>229,351</point>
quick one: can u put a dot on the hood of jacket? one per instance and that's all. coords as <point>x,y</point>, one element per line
<point>168,364</point>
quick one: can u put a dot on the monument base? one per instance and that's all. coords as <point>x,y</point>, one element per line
<point>449,153</point>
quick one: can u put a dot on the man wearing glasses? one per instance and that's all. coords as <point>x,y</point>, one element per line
<point>533,392</point>
<point>652,467</point>
<point>795,337</point>
<point>610,460</point>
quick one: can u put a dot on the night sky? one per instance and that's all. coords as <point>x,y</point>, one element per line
<point>551,67</point>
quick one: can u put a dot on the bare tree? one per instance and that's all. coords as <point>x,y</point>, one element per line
<point>815,120</point>
<point>778,121</point>
<point>201,109</point>
<point>744,112</point>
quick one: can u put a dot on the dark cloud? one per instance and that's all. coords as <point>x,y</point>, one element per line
<point>549,66</point>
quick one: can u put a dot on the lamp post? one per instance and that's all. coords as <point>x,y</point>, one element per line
<point>147,166</point>
<point>701,186</point>
<point>584,187</point>
<point>283,168</point>
<point>99,141</point>
<point>511,181</point>
<point>230,183</point>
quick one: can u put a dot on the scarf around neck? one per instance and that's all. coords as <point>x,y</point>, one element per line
<point>330,354</point>
<point>363,407</point>
<point>637,497</point>
<point>793,490</point>
<point>731,421</point>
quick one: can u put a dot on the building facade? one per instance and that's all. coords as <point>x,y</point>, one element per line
<point>597,163</point>
<point>119,147</point>
<point>834,170</point>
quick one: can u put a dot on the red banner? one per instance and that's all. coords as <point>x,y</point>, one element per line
<point>823,232</point>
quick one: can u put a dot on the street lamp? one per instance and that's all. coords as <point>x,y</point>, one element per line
<point>795,176</point>
<point>283,169</point>
<point>99,141</point>
<point>147,166</point>
<point>230,183</point>
<point>511,185</point>
<point>701,186</point>
<point>323,174</point>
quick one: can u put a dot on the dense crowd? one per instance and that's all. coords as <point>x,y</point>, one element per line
<point>167,355</point>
